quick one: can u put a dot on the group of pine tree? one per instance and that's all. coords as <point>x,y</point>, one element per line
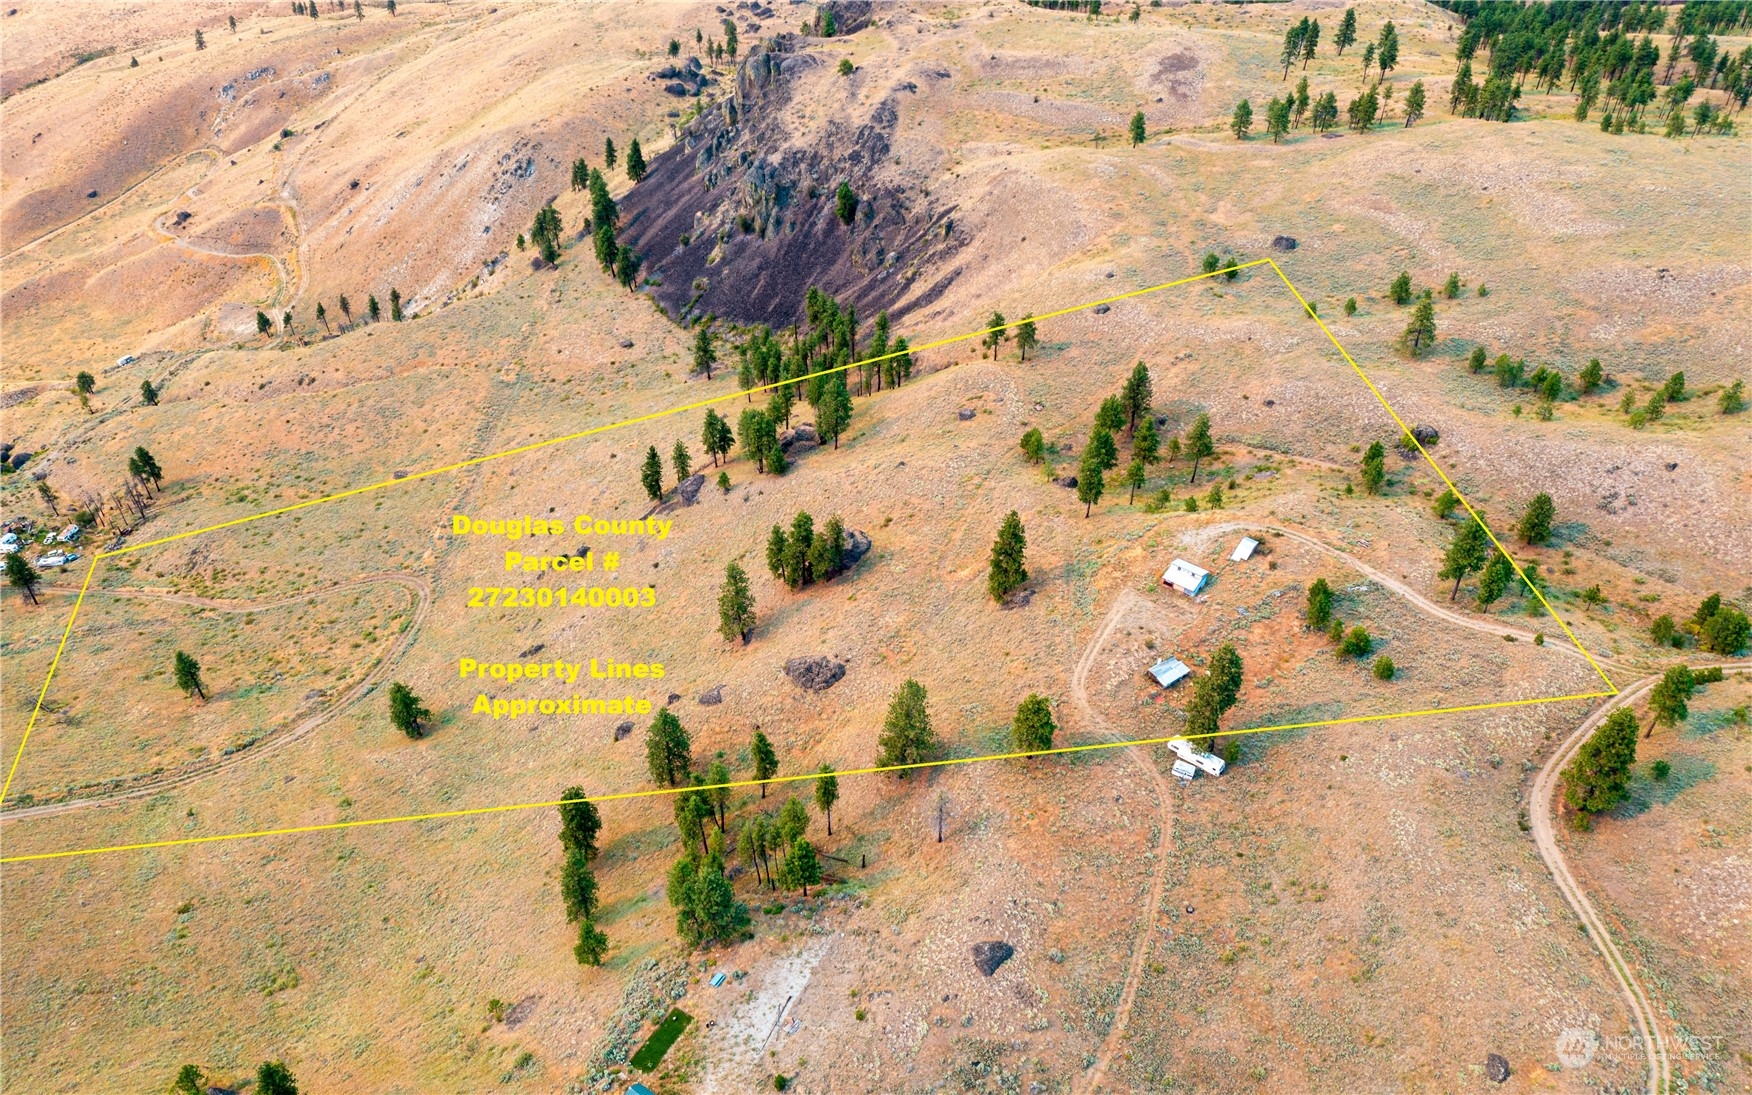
<point>1590,50</point>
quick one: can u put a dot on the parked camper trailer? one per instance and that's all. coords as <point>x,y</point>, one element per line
<point>1184,771</point>
<point>1208,762</point>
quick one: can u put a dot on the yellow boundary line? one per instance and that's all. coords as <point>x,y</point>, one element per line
<point>879,770</point>
<point>651,793</point>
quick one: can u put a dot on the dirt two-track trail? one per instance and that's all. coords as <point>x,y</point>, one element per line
<point>422,591</point>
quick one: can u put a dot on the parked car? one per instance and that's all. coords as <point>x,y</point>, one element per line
<point>69,534</point>
<point>126,359</point>
<point>54,559</point>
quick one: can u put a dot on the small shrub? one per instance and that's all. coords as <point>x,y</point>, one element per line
<point>1661,769</point>
<point>779,1082</point>
<point>1539,639</point>
<point>1383,668</point>
<point>859,1015</point>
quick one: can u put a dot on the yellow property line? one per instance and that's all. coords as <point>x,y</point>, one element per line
<point>53,664</point>
<point>1476,516</point>
<point>876,770</point>
<point>848,772</point>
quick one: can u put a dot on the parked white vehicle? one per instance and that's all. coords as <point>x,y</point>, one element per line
<point>1189,753</point>
<point>69,534</point>
<point>54,560</point>
<point>1184,771</point>
<point>126,359</point>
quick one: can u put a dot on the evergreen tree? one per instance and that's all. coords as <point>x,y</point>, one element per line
<point>1733,398</point>
<point>766,761</point>
<point>1726,632</point>
<point>1356,644</point>
<point>186,672</point>
<point>793,821</point>
<point>826,794</point>
<point>1374,474</point>
<point>1368,59</point>
<point>372,308</point>
<point>717,794</point>
<point>827,551</point>
<point>149,468</point>
<point>1026,338</point>
<point>1111,415</point>
<point>200,42</point>
<point>1326,112</point>
<point>1400,291</point>
<point>716,437</point>
<point>1090,485</point>
<point>1103,449</point>
<point>1199,444</point>
<point>1347,31</point>
<point>406,713</point>
<point>835,412</point>
<point>775,552</point>
<point>577,886</point>
<point>1465,555</point>
<point>190,1080</point>
<point>148,394</point>
<point>1535,525</point>
<point>580,822</point>
<point>1420,332</point>
<point>1145,444</point>
<point>1387,49</point>
<point>907,737</point>
<point>1414,103</point>
<point>263,326</point>
<point>1213,695</point>
<point>20,575</point>
<point>651,474</point>
<point>1135,477</point>
<point>346,308</point>
<point>274,1078</point>
<point>1007,572</point>
<point>1032,729</point>
<point>1136,395</point>
<point>797,546</point>
<point>395,308</point>
<point>1242,120</point>
<point>995,333</point>
<point>635,161</point>
<point>581,171</point>
<point>592,944</point>
<point>1299,108</point>
<point>608,153</point>
<point>845,203</point>
<point>1495,579</point>
<point>800,868</point>
<point>1277,119</point>
<point>1667,701</point>
<point>1319,604</point>
<point>668,749</point>
<point>705,353</point>
<point>1137,129</point>
<point>735,605</point>
<point>1034,446</point>
<point>757,435</point>
<point>1292,45</point>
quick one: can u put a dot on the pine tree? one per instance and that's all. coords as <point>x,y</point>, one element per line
<point>1387,49</point>
<point>1535,524</point>
<point>346,308</point>
<point>372,308</point>
<point>1420,332</point>
<point>907,737</point>
<point>1135,477</point>
<point>826,794</point>
<point>995,333</point>
<point>716,436</point>
<point>1007,573</point>
<point>1414,103</point>
<point>1299,108</point>
<point>1310,42</point>
<point>200,42</point>
<point>592,944</point>
<point>635,161</point>
<point>1242,120</point>
<point>757,435</point>
<point>651,474</point>
<point>186,672</point>
<point>1400,291</point>
<point>1032,729</point>
<point>577,886</point>
<point>845,203</point>
<point>766,761</point>
<point>1136,395</point>
<point>735,605</point>
<point>1733,398</point>
<point>1111,415</point>
<point>705,353</point>
<point>1277,119</point>
<point>1090,485</point>
<point>263,323</point>
<point>1137,129</point>
<point>608,153</point>
<point>148,394</point>
<point>827,551</point>
<point>1199,444</point>
<point>1146,446</point>
<point>668,750</point>
<point>1374,473</point>
<point>406,713</point>
<point>1034,446</point>
<point>190,1080</point>
<point>1465,555</point>
<point>1668,700</point>
<point>273,1077</point>
<point>1103,449</point>
<point>681,461</point>
<point>1494,581</point>
<point>1292,45</point>
<point>1326,112</point>
<point>149,468</point>
<point>1347,31</point>
<point>796,556</point>
<point>800,868</point>
<point>775,552</point>
<point>580,822</point>
<point>1026,338</point>
<point>20,575</point>
<point>1319,604</point>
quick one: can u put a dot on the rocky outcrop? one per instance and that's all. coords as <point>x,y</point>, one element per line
<point>814,674</point>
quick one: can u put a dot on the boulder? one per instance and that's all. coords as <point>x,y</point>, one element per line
<point>1069,481</point>
<point>857,545</point>
<point>1496,1067</point>
<point>689,491</point>
<point>1102,309</point>
<point>803,437</point>
<point>987,957</point>
<point>965,414</point>
<point>1283,243</point>
<point>622,729</point>
<point>815,673</point>
<point>712,698</point>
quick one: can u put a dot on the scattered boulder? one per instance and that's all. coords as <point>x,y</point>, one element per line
<point>674,698</point>
<point>1283,243</point>
<point>815,673</point>
<point>622,729</point>
<point>801,438</point>
<point>989,956</point>
<point>688,492</point>
<point>1496,1067</point>
<point>19,458</point>
<point>857,545</point>
<point>626,343</point>
<point>1067,481</point>
<point>1102,309</point>
<point>965,414</point>
<point>1426,436</point>
<point>712,698</point>
<point>91,193</point>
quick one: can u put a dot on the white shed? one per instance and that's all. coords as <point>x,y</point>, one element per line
<point>1244,550</point>
<point>1169,670</point>
<point>1185,577</point>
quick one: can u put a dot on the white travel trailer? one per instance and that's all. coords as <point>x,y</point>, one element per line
<point>1184,771</point>
<point>1208,762</point>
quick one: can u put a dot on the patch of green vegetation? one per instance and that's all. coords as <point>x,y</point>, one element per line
<point>650,1055</point>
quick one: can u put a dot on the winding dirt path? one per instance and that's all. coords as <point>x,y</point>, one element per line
<point>274,740</point>
<point>1126,601</point>
<point>1644,1016</point>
